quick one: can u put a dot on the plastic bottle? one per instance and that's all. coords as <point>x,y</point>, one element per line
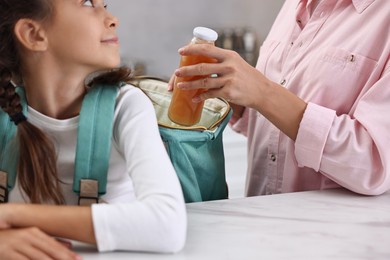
<point>182,110</point>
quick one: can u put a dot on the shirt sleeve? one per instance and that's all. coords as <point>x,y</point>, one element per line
<point>156,220</point>
<point>240,125</point>
<point>352,150</point>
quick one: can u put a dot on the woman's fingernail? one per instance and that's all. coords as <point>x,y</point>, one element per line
<point>177,72</point>
<point>181,50</point>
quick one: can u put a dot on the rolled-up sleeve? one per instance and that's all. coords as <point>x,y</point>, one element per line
<point>352,150</point>
<point>240,125</point>
<point>309,145</point>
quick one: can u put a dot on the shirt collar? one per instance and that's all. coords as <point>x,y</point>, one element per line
<point>360,5</point>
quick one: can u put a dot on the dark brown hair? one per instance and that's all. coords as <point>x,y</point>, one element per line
<point>37,171</point>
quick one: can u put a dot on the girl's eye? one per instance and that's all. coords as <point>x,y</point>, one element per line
<point>88,3</point>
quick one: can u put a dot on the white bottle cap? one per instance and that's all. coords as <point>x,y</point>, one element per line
<point>205,34</point>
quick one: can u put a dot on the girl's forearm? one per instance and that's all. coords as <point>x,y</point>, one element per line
<point>71,222</point>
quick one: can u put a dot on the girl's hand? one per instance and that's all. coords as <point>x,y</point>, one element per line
<point>4,224</point>
<point>31,243</point>
<point>237,81</point>
<point>4,216</point>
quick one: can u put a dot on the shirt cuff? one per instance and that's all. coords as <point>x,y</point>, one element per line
<point>102,234</point>
<point>312,135</point>
<point>240,124</point>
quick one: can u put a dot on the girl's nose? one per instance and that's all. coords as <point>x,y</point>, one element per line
<point>112,21</point>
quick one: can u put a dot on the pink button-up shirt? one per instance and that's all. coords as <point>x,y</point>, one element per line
<point>336,58</point>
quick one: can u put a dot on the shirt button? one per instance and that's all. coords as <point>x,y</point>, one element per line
<point>283,82</point>
<point>273,157</point>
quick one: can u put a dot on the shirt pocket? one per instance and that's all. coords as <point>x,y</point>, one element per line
<point>337,77</point>
<point>266,50</point>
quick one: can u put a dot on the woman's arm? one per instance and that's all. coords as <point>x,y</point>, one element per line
<point>241,84</point>
<point>349,149</point>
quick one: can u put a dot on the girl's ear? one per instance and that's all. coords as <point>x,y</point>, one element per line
<point>31,35</point>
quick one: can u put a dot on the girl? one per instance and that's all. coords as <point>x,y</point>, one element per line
<point>50,47</point>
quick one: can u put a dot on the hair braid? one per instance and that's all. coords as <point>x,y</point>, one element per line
<point>9,99</point>
<point>39,181</point>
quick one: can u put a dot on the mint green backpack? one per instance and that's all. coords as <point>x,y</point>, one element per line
<point>93,145</point>
<point>196,152</point>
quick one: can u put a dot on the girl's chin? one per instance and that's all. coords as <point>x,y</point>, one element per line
<point>112,66</point>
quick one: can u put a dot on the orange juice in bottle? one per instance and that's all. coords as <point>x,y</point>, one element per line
<point>182,110</point>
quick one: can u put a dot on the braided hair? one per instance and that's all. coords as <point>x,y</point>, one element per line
<point>9,99</point>
<point>36,171</point>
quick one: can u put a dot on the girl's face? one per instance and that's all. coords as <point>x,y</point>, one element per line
<point>82,35</point>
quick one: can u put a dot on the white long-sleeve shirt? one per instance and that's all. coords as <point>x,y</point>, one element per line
<point>145,209</point>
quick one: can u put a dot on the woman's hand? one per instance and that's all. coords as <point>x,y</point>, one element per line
<point>31,243</point>
<point>243,85</point>
<point>237,81</point>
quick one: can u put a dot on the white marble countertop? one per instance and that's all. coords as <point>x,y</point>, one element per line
<point>331,224</point>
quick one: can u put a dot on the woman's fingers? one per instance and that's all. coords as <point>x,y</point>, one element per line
<point>205,83</point>
<point>171,82</point>
<point>217,87</point>
<point>230,64</point>
<point>204,50</point>
<point>201,69</point>
<point>236,80</point>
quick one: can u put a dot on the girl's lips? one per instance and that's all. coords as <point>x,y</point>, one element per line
<point>111,40</point>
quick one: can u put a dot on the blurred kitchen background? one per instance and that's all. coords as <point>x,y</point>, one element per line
<point>151,32</point>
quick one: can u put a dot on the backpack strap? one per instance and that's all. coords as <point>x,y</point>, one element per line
<point>92,150</point>
<point>3,187</point>
<point>8,158</point>
<point>7,132</point>
<point>94,143</point>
